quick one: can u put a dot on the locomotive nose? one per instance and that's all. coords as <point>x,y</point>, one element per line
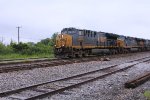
<point>60,41</point>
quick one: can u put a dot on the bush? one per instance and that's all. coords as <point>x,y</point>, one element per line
<point>44,48</point>
<point>5,49</point>
<point>20,48</point>
<point>28,49</point>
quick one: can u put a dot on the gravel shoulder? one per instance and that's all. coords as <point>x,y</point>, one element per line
<point>110,88</point>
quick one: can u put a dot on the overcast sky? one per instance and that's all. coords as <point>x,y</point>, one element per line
<point>39,19</point>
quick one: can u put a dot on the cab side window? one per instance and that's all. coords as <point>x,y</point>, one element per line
<point>80,32</point>
<point>94,34</point>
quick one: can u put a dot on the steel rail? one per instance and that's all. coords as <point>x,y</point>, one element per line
<point>81,83</point>
<point>138,81</point>
<point>3,94</point>
<point>46,63</point>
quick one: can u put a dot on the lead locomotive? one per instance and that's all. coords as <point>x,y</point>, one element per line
<point>72,42</point>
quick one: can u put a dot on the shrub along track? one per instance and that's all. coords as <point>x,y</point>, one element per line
<point>49,88</point>
<point>41,63</point>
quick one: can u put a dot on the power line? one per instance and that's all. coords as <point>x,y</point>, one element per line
<point>18,34</point>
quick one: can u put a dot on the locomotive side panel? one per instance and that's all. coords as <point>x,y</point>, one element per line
<point>89,39</point>
<point>75,42</point>
<point>131,42</point>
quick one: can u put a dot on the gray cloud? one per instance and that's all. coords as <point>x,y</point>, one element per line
<point>41,18</point>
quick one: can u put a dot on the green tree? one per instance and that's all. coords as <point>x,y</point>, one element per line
<point>46,41</point>
<point>20,48</point>
<point>2,48</point>
<point>53,39</point>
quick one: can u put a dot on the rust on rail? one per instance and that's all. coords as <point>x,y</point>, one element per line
<point>138,81</point>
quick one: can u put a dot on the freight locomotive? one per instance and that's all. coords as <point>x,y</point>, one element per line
<point>72,42</point>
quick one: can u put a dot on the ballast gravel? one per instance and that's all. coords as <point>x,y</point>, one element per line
<point>110,88</point>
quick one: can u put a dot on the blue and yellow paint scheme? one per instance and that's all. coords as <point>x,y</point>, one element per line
<point>63,45</point>
<point>121,43</point>
<point>72,42</point>
<point>63,40</point>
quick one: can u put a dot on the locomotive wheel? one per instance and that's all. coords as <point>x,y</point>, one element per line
<point>123,51</point>
<point>77,55</point>
<point>86,54</point>
<point>80,56</point>
<point>81,53</point>
<point>127,51</point>
<point>70,56</point>
<point>110,52</point>
<point>114,52</point>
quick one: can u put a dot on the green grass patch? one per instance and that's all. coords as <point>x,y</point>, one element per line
<point>147,94</point>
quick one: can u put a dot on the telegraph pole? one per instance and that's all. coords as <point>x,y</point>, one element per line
<point>2,39</point>
<point>18,34</point>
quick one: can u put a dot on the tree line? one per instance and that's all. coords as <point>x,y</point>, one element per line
<point>45,46</point>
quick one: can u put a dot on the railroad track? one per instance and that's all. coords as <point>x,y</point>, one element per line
<point>138,81</point>
<point>49,88</point>
<point>23,61</point>
<point>42,64</point>
<point>20,59</point>
<point>28,65</point>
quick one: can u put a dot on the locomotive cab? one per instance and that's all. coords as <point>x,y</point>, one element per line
<point>63,40</point>
<point>63,43</point>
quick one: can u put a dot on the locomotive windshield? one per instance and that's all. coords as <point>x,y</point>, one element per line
<point>68,31</point>
<point>121,38</point>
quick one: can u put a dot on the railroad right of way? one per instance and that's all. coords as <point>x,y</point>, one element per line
<point>41,90</point>
<point>41,63</point>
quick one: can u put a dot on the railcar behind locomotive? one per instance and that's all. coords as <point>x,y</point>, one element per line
<point>72,42</point>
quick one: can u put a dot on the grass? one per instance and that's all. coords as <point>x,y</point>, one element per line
<point>147,94</point>
<point>19,56</point>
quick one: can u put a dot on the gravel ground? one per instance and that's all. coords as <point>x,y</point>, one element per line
<point>110,88</point>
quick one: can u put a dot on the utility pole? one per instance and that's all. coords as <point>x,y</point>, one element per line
<point>18,34</point>
<point>2,39</point>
